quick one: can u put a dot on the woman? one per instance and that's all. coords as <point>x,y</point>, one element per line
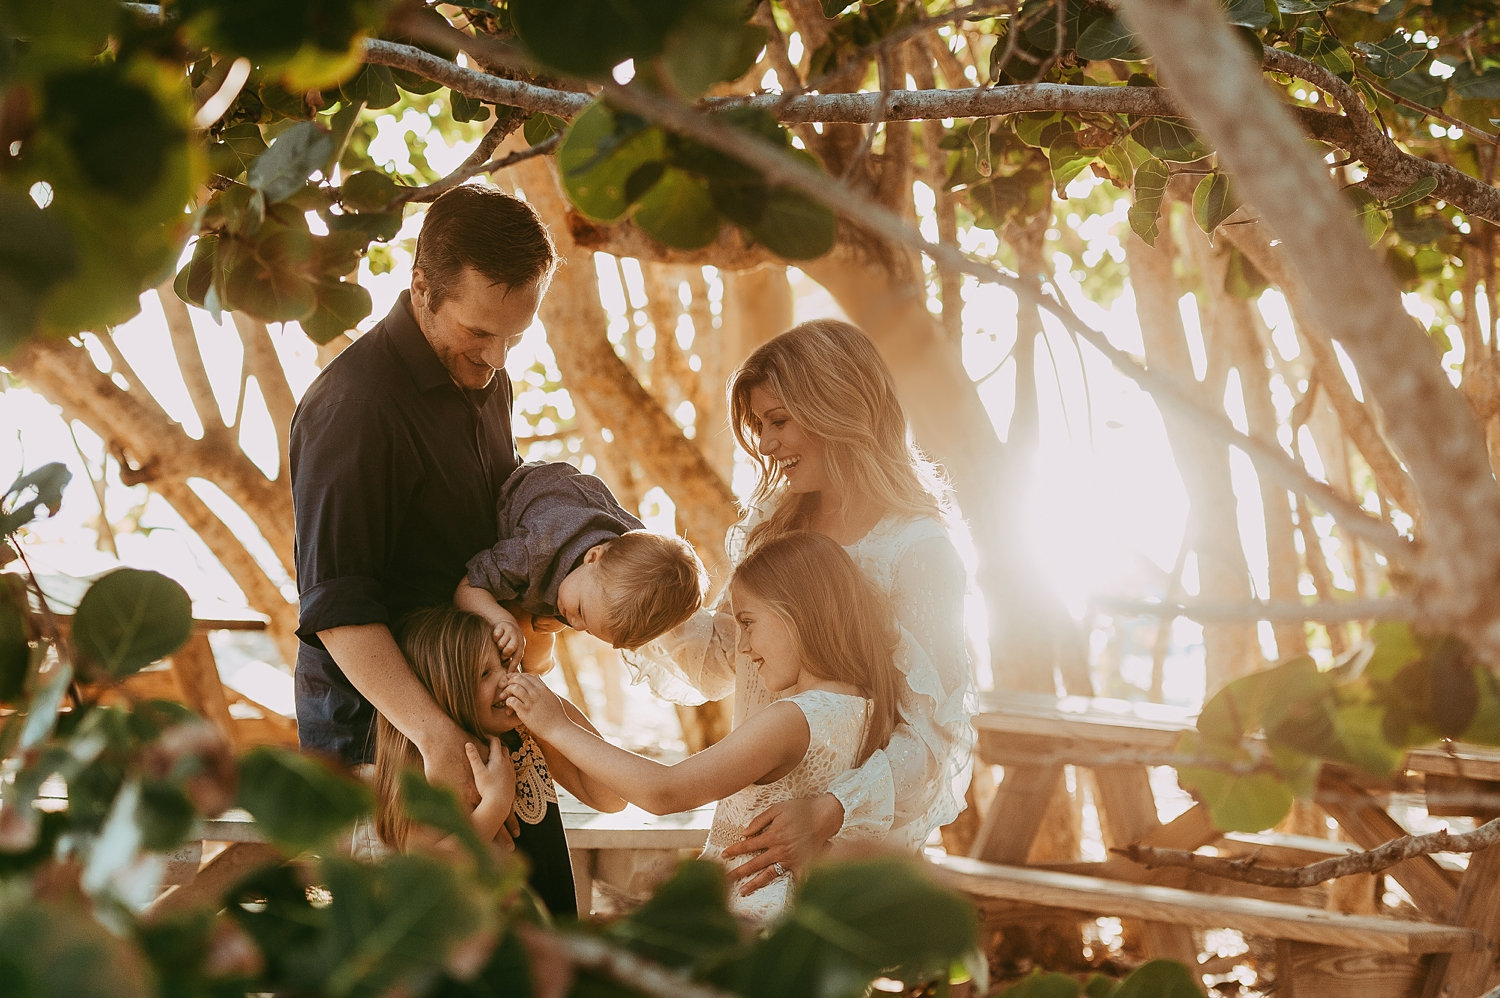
<point>816,407</point>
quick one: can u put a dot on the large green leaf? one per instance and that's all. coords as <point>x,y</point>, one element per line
<point>36,253</point>
<point>711,43</point>
<point>1043,984</point>
<point>1469,85</point>
<point>1237,800</point>
<point>299,802</point>
<point>793,226</point>
<point>1420,88</point>
<point>686,923</point>
<point>341,306</point>
<point>33,493</point>
<point>1170,139</point>
<point>1327,51</point>
<point>851,922</point>
<point>1372,218</point>
<point>1412,195</point>
<point>313,43</point>
<point>1068,158</point>
<point>1107,37</point>
<point>56,946</point>
<point>281,170</point>
<point>438,808</point>
<point>1213,201</point>
<point>117,130</point>
<point>598,156</point>
<point>1393,57</point>
<point>129,619</point>
<point>1251,14</point>
<point>1160,979</point>
<point>587,39</point>
<point>1150,187</point>
<point>678,211</point>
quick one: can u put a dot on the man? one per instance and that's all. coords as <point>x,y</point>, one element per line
<point>398,453</point>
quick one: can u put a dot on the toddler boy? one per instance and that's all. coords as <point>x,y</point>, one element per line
<point>569,554</point>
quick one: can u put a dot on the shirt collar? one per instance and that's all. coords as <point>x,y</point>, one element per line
<point>421,361</point>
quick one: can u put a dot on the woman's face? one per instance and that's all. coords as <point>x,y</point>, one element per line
<point>768,642</point>
<point>799,455</point>
<point>494,717</point>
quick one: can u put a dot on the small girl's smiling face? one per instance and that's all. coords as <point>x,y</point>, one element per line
<point>768,641</point>
<point>494,717</point>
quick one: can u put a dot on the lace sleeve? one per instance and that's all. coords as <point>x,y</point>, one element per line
<point>917,782</point>
<point>695,662</point>
<point>692,663</point>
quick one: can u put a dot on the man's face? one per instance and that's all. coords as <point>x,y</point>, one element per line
<point>477,324</point>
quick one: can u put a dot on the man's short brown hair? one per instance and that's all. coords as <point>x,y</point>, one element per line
<point>652,583</point>
<point>500,236</point>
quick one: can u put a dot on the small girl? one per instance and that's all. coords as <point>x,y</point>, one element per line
<point>451,652</point>
<point>821,637</point>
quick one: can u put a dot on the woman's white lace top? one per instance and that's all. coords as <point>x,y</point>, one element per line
<point>917,782</point>
<point>836,725</point>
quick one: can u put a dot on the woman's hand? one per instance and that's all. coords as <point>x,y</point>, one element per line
<point>495,777</point>
<point>788,834</point>
<point>536,705</point>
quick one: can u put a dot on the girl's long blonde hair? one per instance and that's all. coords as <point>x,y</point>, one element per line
<point>841,626</point>
<point>443,645</point>
<point>832,381</point>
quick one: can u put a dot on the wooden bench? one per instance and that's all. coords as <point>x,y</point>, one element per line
<point>632,849</point>
<point>1319,953</point>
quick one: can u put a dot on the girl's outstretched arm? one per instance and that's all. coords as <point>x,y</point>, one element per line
<point>592,792</point>
<point>763,748</point>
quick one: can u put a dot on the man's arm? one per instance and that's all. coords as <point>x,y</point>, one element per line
<point>368,655</point>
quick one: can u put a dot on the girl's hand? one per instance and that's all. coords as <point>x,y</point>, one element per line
<point>536,705</point>
<point>495,777</point>
<point>509,640</point>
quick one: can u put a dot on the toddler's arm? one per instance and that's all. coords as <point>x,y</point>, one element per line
<point>504,626</point>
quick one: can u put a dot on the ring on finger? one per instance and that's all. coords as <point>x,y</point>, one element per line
<point>780,870</point>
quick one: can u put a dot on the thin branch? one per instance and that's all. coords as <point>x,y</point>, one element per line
<point>1384,857</point>
<point>1270,610</point>
<point>1433,112</point>
<point>472,166</point>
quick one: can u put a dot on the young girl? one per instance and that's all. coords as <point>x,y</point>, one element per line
<point>451,652</point>
<point>820,636</point>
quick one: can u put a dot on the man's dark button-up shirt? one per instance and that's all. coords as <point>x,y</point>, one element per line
<point>396,472</point>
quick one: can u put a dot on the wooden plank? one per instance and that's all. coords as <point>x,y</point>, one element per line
<point>1190,830</point>
<point>1127,813</point>
<point>198,678</point>
<point>1306,969</point>
<point>1362,817</point>
<point>1166,904</point>
<point>220,873</point>
<point>1478,908</point>
<point>1015,813</point>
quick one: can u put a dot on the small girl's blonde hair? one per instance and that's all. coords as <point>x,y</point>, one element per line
<point>443,645</point>
<point>844,630</point>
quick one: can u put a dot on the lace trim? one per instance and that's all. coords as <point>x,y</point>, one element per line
<point>534,787</point>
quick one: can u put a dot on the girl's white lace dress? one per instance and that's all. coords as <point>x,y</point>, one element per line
<point>836,725</point>
<point>917,782</point>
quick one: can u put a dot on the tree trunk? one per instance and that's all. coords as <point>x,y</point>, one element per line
<point>1213,526</point>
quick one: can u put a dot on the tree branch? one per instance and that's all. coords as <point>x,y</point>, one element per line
<point>1375,860</point>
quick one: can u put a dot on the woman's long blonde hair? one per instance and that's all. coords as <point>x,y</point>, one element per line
<point>444,646</point>
<point>841,626</point>
<point>832,381</point>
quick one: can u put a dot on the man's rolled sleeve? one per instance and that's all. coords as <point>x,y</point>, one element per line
<point>341,602</point>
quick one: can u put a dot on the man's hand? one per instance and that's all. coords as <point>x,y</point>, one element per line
<point>445,763</point>
<point>790,833</point>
